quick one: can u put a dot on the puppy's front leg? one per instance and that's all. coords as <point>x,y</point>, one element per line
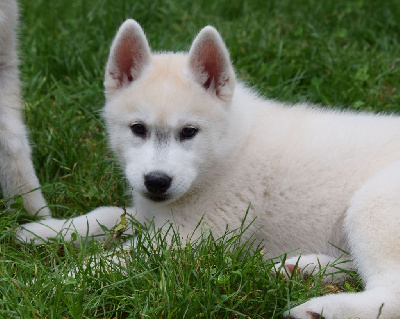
<point>89,225</point>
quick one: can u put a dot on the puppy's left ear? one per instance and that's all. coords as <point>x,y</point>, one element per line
<point>129,55</point>
<point>210,65</point>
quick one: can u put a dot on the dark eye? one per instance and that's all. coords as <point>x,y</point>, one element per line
<point>188,132</point>
<point>139,129</point>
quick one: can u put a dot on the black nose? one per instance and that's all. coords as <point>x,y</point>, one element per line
<point>157,183</point>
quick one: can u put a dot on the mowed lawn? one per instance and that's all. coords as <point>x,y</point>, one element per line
<point>345,54</point>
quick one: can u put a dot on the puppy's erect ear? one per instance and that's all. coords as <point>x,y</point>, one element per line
<point>210,64</point>
<point>129,55</point>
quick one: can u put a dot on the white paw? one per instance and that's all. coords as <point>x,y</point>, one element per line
<point>313,263</point>
<point>369,304</point>
<point>309,310</point>
<point>39,232</point>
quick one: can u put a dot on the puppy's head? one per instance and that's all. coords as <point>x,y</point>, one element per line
<point>167,114</point>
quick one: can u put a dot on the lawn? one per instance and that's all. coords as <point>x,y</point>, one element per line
<point>344,54</point>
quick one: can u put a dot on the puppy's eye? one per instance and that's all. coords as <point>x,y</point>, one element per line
<point>139,129</point>
<point>188,133</point>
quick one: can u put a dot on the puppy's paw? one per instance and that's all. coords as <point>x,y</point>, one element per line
<point>311,264</point>
<point>380,302</point>
<point>313,309</point>
<point>38,232</point>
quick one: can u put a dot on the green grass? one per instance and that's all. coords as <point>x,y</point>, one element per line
<point>339,53</point>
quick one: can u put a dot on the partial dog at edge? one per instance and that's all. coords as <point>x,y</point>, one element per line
<point>17,175</point>
<point>195,142</point>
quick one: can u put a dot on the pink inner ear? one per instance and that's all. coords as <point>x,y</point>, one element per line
<point>130,58</point>
<point>125,59</point>
<point>211,64</point>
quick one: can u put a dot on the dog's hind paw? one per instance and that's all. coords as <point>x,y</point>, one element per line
<point>379,302</point>
<point>313,263</point>
<point>312,309</point>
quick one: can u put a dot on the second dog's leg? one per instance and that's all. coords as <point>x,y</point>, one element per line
<point>17,175</point>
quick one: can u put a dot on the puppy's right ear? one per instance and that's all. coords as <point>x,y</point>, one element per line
<point>129,55</point>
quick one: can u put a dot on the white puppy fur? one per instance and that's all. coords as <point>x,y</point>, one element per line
<point>17,175</point>
<point>193,143</point>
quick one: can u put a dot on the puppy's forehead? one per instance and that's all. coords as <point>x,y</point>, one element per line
<point>168,91</point>
<point>168,65</point>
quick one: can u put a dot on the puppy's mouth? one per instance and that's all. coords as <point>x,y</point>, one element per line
<point>158,198</point>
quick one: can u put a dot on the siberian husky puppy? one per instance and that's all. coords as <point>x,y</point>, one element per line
<point>196,143</point>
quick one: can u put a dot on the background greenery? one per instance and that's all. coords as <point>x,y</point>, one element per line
<point>339,53</point>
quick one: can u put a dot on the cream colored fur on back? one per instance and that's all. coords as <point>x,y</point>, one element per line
<point>193,146</point>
